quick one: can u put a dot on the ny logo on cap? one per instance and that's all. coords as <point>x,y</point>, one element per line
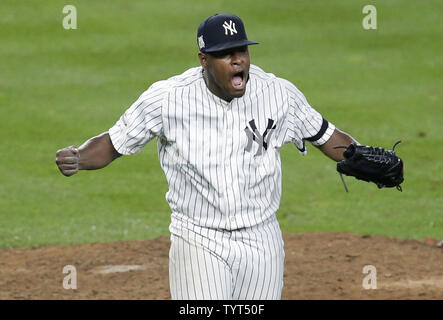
<point>230,27</point>
<point>262,140</point>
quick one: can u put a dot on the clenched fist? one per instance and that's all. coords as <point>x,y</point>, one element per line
<point>67,160</point>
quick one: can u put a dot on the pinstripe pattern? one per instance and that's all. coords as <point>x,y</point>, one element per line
<point>222,196</point>
<point>223,265</point>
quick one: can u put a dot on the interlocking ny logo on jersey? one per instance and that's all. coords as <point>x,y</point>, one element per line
<point>230,27</point>
<point>254,135</point>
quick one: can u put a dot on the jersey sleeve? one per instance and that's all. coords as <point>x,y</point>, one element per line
<point>304,122</point>
<point>141,122</point>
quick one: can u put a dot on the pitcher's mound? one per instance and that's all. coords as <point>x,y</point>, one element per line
<point>318,266</point>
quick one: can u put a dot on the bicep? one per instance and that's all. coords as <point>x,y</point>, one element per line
<point>304,122</point>
<point>139,124</point>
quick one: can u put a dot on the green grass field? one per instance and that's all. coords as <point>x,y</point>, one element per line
<point>59,87</point>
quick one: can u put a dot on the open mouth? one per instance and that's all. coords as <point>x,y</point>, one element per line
<point>238,80</point>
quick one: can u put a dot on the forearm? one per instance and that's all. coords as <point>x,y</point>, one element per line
<point>338,138</point>
<point>97,152</point>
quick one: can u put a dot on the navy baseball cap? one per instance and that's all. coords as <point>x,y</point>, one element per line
<point>220,32</point>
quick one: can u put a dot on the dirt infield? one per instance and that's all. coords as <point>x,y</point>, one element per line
<point>318,266</point>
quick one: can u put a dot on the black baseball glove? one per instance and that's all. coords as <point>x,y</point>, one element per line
<point>371,164</point>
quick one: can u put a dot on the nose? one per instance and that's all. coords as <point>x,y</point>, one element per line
<point>238,57</point>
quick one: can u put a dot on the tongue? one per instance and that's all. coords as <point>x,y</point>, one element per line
<point>236,80</point>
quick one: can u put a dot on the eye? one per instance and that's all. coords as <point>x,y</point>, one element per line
<point>229,52</point>
<point>221,54</point>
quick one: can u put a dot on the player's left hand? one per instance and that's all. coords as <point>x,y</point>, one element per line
<point>372,164</point>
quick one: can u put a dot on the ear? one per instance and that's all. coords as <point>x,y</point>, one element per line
<point>203,60</point>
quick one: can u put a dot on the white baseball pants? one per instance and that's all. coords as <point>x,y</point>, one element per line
<point>244,264</point>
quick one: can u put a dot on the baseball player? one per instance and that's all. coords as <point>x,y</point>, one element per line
<point>219,130</point>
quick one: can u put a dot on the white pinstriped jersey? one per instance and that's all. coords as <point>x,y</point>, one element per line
<point>221,159</point>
